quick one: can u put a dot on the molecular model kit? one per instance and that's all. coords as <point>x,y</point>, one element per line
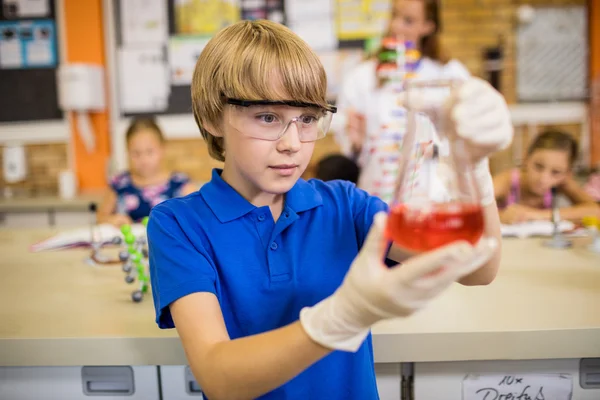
<point>134,259</point>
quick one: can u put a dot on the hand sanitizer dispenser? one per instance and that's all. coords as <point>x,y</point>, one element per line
<point>14,163</point>
<point>81,90</point>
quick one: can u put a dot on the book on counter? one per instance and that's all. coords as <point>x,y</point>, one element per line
<point>535,228</point>
<point>102,234</point>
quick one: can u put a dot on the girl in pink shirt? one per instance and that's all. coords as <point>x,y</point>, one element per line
<point>526,194</point>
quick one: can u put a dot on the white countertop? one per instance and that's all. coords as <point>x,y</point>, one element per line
<point>45,203</point>
<point>56,310</point>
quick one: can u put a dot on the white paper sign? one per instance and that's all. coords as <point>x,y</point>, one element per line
<point>314,22</point>
<point>144,83</point>
<point>33,8</point>
<point>518,387</point>
<point>144,22</point>
<point>318,33</point>
<point>309,9</point>
<point>535,228</point>
<point>183,54</point>
<point>26,8</point>
<point>10,49</point>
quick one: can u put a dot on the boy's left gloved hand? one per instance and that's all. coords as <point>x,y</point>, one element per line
<point>372,292</point>
<point>481,118</point>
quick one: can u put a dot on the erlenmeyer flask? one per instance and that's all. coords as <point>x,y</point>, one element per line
<point>436,200</point>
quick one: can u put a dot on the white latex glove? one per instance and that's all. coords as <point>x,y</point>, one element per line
<point>482,119</point>
<point>371,291</point>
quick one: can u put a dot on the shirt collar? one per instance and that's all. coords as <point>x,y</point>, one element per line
<point>228,205</point>
<point>303,197</point>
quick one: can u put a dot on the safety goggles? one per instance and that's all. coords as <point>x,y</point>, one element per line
<point>265,120</point>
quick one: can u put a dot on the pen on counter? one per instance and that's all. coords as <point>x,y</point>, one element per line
<point>92,208</point>
<point>557,241</point>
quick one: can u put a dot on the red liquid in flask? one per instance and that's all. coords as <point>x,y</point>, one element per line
<point>423,229</point>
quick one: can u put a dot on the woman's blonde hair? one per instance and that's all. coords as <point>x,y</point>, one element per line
<point>253,60</point>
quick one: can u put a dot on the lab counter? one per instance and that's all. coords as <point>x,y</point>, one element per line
<point>41,203</point>
<point>50,211</point>
<point>57,310</point>
<point>67,325</point>
<point>46,211</point>
<point>544,303</point>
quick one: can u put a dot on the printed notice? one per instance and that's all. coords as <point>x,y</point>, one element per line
<point>144,22</point>
<point>518,387</point>
<point>27,44</point>
<point>14,9</point>
<point>183,54</point>
<point>144,79</point>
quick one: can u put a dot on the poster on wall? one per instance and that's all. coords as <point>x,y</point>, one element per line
<point>362,19</point>
<point>183,54</point>
<point>263,9</point>
<point>16,9</point>
<point>204,17</point>
<point>137,67</point>
<point>313,21</point>
<point>27,44</point>
<point>337,64</point>
<point>11,55</point>
<point>144,22</point>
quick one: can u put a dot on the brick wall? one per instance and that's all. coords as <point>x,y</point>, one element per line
<point>191,156</point>
<point>470,26</point>
<point>44,162</point>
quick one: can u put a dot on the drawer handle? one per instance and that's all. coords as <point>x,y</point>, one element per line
<point>191,385</point>
<point>107,381</point>
<point>100,387</point>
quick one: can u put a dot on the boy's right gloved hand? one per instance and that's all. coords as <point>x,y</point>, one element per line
<point>371,291</point>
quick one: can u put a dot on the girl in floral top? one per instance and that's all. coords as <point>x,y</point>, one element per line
<point>133,193</point>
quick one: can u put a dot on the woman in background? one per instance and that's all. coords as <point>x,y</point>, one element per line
<point>133,193</point>
<point>416,21</point>
<point>526,195</point>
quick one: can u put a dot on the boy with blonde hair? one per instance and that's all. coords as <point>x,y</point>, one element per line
<point>273,282</point>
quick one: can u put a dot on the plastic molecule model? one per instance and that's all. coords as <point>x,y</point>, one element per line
<point>135,261</point>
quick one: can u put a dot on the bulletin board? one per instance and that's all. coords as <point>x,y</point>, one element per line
<point>158,43</point>
<point>28,61</point>
<point>556,68</point>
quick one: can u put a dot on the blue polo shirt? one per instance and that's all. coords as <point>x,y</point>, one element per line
<point>264,272</point>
